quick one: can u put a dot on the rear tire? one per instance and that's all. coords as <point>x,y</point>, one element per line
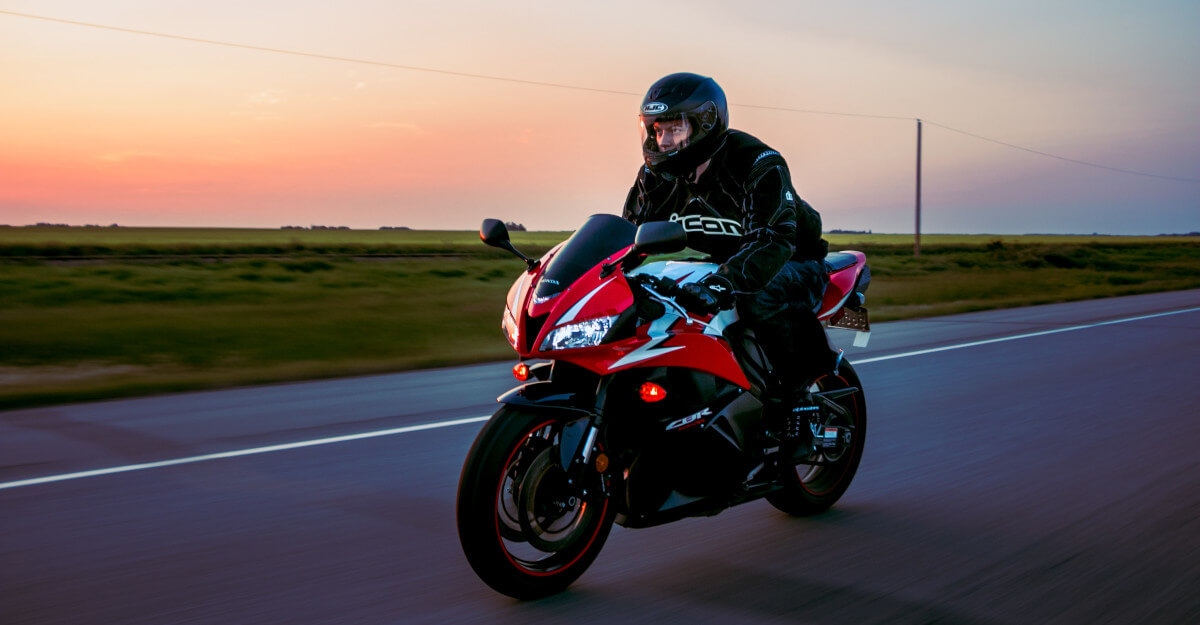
<point>809,489</point>
<point>524,530</point>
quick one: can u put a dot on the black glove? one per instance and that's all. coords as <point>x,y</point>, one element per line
<point>709,295</point>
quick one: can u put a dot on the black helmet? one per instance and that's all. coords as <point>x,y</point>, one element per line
<point>684,119</point>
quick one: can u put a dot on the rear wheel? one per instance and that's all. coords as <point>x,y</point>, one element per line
<point>525,530</point>
<point>820,480</point>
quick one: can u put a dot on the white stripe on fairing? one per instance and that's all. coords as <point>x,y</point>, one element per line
<point>445,424</point>
<point>569,316</point>
<point>644,352</point>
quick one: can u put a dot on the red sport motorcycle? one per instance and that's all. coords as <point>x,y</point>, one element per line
<point>637,411</point>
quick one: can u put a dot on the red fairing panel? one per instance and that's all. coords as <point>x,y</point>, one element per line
<point>840,284</point>
<point>667,342</point>
<point>616,297</point>
<point>683,346</point>
<point>518,296</point>
<point>605,296</point>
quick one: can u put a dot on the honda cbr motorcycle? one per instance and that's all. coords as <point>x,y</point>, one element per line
<point>639,412</point>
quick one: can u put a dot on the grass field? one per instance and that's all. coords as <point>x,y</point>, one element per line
<point>64,242</point>
<point>155,310</point>
<point>55,240</point>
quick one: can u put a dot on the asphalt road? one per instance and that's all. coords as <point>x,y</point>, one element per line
<point>1052,478</point>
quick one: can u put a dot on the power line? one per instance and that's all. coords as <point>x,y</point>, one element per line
<point>312,55</point>
<point>814,112</point>
<point>345,59</point>
<point>538,83</point>
<point>1061,158</point>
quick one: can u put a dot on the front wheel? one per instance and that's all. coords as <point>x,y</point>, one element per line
<point>814,485</point>
<point>525,530</point>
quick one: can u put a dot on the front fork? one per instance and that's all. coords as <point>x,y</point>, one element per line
<point>582,458</point>
<point>580,448</point>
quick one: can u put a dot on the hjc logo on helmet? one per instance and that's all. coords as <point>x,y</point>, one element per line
<point>654,108</point>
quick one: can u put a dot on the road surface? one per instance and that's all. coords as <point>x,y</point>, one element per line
<point>1034,465</point>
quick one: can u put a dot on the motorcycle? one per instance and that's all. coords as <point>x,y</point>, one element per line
<point>638,412</point>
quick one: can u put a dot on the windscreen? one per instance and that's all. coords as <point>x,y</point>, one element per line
<point>600,236</point>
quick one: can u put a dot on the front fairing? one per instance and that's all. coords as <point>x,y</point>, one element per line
<point>541,290</point>
<point>590,296</point>
<point>514,322</point>
<point>672,340</point>
<point>600,237</point>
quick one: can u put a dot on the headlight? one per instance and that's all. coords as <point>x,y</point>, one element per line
<point>510,328</point>
<point>583,334</point>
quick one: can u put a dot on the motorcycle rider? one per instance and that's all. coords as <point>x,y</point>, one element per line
<point>734,196</point>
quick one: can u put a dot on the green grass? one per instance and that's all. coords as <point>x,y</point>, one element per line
<point>317,240</point>
<point>119,324</point>
<point>92,330</point>
<point>934,241</point>
<point>953,279</point>
<point>65,242</point>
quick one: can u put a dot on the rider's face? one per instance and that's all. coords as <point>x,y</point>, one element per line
<point>671,134</point>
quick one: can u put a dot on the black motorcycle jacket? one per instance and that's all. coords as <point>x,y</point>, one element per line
<point>742,210</point>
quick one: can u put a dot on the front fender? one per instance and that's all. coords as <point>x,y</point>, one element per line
<point>573,409</point>
<point>548,396</point>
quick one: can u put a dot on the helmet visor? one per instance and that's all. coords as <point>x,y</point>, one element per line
<point>666,134</point>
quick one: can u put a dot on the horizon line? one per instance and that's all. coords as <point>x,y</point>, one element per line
<point>320,228</point>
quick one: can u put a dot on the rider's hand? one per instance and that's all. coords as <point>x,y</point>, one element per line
<point>707,296</point>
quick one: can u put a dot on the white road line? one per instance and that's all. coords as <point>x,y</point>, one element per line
<point>1019,336</point>
<point>241,452</point>
<point>445,424</point>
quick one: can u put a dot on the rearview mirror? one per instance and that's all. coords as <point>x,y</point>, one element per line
<point>659,237</point>
<point>493,232</point>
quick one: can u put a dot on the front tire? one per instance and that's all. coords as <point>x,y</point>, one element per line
<point>525,531</point>
<point>809,488</point>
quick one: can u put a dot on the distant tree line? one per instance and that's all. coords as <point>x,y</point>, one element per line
<point>514,226</point>
<point>340,228</point>
<point>42,224</point>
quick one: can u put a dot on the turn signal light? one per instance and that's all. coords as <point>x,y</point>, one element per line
<point>521,371</point>
<point>651,392</point>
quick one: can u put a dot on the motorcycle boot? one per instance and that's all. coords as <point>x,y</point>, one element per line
<point>798,352</point>
<point>794,414</point>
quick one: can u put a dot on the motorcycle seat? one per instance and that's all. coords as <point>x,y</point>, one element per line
<point>837,261</point>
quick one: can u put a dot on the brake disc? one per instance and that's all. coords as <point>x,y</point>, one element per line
<point>552,514</point>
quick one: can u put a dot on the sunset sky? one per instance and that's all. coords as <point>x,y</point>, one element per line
<point>99,126</point>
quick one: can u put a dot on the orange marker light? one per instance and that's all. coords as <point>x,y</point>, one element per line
<point>521,371</point>
<point>651,392</point>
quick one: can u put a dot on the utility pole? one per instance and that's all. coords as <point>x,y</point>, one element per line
<point>917,230</point>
